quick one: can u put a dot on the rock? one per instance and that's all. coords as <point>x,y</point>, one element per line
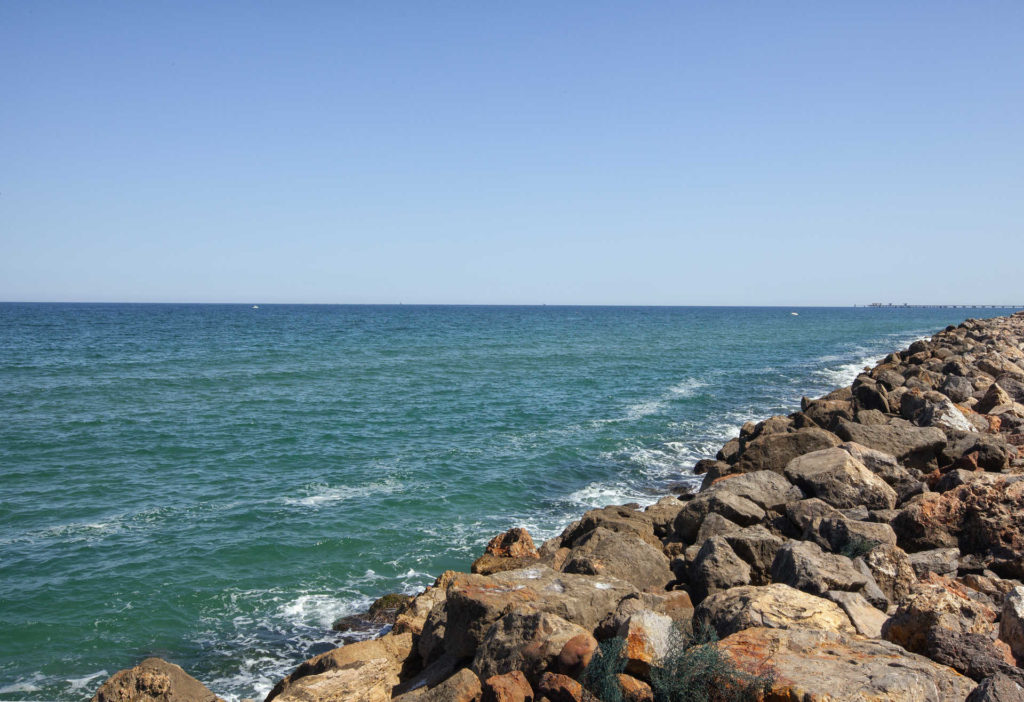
<point>622,519</point>
<point>757,547</point>
<point>871,397</point>
<point>647,635</point>
<point>1011,623</point>
<point>368,668</point>
<point>973,451</point>
<point>576,654</point>
<point>836,477</point>
<point>514,543</point>
<point>363,681</point>
<point>488,564</point>
<point>774,451</point>
<point>979,517</point>
<point>803,565</point>
<point>510,687</point>
<point>915,446</point>
<point>892,570</point>
<point>663,515</point>
<point>866,619</point>
<point>998,688</point>
<point>945,416</point>
<point>620,555</point>
<point>634,690</point>
<point>153,680</point>
<point>765,488</point>
<point>715,525</point>
<point>735,508</point>
<point>462,686</point>
<point>775,606</point>
<point>824,666</point>
<point>806,515</point>
<point>935,605</point>
<point>973,655</point>
<point>383,611</point>
<point>828,413</point>
<point>846,536</point>
<point>560,688</point>
<point>903,481</point>
<point>475,602</point>
<point>526,640</point>
<point>956,388</point>
<point>716,567</point>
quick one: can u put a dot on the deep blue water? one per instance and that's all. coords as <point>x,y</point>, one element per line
<point>216,484</point>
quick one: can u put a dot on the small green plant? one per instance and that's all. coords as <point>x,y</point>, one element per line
<point>693,669</point>
<point>601,675</point>
<point>857,546</point>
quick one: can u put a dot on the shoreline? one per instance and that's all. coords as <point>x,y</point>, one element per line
<point>682,552</point>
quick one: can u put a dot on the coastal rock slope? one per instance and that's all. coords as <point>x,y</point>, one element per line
<point>867,547</point>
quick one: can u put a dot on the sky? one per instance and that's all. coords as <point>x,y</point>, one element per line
<point>680,153</point>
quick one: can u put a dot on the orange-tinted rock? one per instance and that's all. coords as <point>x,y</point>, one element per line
<point>576,654</point>
<point>634,690</point>
<point>514,543</point>
<point>561,688</point>
<point>153,680</point>
<point>824,666</point>
<point>510,687</point>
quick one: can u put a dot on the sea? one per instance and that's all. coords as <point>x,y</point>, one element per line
<point>217,484</point>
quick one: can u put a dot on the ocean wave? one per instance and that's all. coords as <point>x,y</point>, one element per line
<point>321,494</point>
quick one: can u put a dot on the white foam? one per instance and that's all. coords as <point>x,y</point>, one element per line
<point>83,682</point>
<point>321,494</point>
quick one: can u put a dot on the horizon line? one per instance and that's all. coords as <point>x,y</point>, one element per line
<point>512,304</point>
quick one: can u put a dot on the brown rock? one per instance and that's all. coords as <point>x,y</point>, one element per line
<point>775,606</point>
<point>153,680</point>
<point>576,654</point>
<point>647,635</point>
<point>526,640</point>
<point>561,688</point>
<point>774,451</point>
<point>462,686</point>
<point>510,687</point>
<point>823,666</point>
<point>514,543</point>
<point>939,603</point>
<point>634,690</point>
<point>620,555</point>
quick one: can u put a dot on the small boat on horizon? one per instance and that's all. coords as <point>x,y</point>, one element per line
<point>795,314</point>
<point>255,307</point>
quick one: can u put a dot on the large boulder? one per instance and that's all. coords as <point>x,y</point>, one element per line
<point>153,680</point>
<point>370,668</point>
<point>934,605</point>
<point>475,602</point>
<point>757,547</point>
<point>885,466</point>
<point>1011,623</point>
<point>620,555</point>
<point>624,519</point>
<point>867,620</point>
<point>980,517</point>
<point>775,606</point>
<point>765,488</point>
<point>804,566</point>
<point>916,446</point>
<point>716,567</point>
<point>736,508</point>
<point>835,476</point>
<point>526,640</point>
<point>647,637</point>
<point>774,451</point>
<point>998,688</point>
<point>892,571</point>
<point>812,665</point>
<point>462,686</point>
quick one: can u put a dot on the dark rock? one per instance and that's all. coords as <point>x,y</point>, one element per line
<point>957,388</point>
<point>757,547</point>
<point>998,688</point>
<point>915,446</point>
<point>803,565</point>
<point>620,555</point>
<point>774,451</point>
<point>716,567</point>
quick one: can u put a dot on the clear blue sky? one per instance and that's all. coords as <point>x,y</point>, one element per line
<point>589,152</point>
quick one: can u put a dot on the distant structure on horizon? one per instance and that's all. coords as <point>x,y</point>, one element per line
<point>945,307</point>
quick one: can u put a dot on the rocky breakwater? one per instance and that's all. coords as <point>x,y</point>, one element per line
<point>867,547</point>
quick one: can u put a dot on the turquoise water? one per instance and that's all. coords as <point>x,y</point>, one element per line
<point>216,484</point>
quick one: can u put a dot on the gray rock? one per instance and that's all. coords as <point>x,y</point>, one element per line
<point>956,388</point>
<point>839,479</point>
<point>757,547</point>
<point>619,555</point>
<point>916,446</point>
<point>716,567</point>
<point>775,606</point>
<point>524,639</point>
<point>866,619</point>
<point>774,451</point>
<point>803,565</point>
<point>1011,622</point>
<point>998,688</point>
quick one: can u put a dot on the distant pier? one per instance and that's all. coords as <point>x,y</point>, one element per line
<point>942,307</point>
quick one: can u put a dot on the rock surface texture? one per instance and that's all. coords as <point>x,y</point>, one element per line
<point>869,546</point>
